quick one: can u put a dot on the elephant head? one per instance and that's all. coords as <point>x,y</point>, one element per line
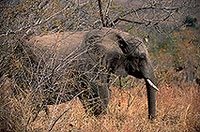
<point>137,63</point>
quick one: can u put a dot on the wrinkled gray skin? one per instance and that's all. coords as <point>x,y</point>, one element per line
<point>114,52</point>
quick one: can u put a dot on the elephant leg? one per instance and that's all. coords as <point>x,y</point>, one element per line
<point>95,100</point>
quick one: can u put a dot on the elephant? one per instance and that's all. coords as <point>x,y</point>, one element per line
<point>98,53</point>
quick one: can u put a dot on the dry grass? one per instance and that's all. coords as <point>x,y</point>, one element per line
<point>178,109</point>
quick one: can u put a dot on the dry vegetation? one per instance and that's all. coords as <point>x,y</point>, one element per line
<point>178,109</point>
<point>176,64</point>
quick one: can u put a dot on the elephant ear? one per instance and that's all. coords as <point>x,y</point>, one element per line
<point>122,44</point>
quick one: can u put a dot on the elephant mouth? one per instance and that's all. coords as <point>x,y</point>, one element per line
<point>152,84</point>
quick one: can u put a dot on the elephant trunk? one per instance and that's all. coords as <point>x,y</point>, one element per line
<point>151,89</point>
<point>151,96</point>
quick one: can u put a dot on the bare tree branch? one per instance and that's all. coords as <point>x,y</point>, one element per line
<point>130,21</point>
<point>144,8</point>
<point>101,13</point>
<point>107,12</point>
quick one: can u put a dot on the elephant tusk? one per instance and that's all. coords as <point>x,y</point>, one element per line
<point>151,84</point>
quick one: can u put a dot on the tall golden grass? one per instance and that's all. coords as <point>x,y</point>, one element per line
<point>178,110</point>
